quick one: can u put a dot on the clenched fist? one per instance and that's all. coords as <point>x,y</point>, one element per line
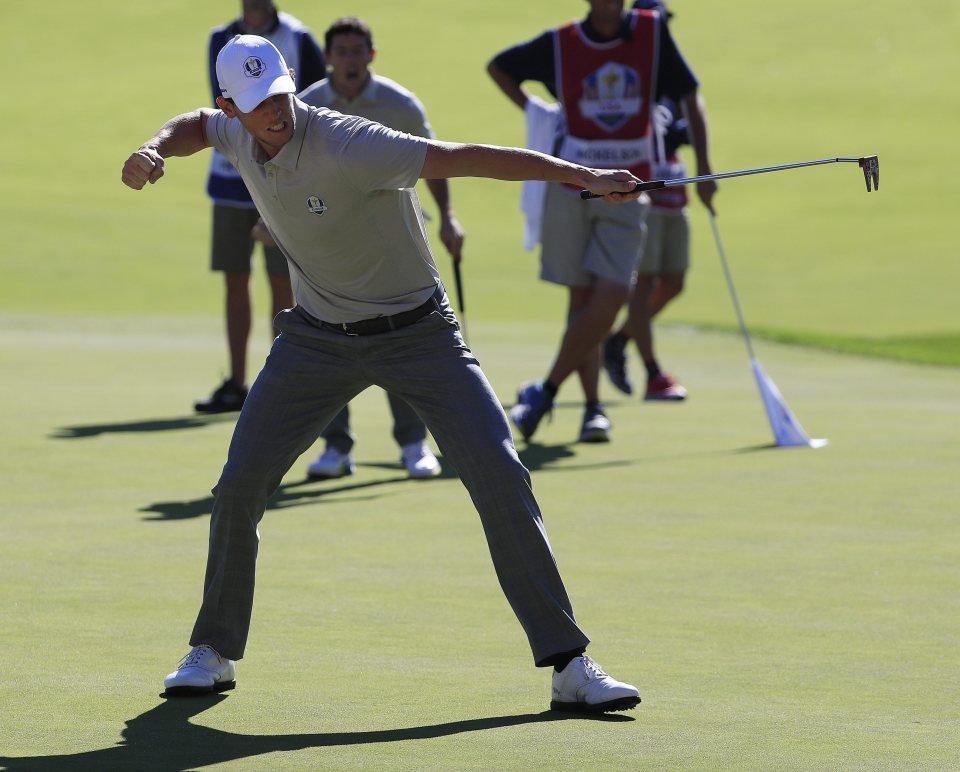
<point>146,165</point>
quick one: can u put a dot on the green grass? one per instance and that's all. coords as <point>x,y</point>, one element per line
<point>940,349</point>
<point>779,609</point>
<point>812,252</point>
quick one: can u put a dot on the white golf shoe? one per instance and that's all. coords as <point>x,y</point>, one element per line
<point>203,670</point>
<point>583,686</point>
<point>596,426</point>
<point>330,465</point>
<point>419,461</point>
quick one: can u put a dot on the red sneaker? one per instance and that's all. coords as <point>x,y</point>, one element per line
<point>664,388</point>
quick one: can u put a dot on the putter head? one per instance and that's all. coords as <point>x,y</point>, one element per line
<point>871,171</point>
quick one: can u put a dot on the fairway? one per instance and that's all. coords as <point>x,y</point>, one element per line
<point>778,608</point>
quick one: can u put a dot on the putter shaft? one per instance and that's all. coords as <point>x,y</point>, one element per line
<point>870,165</point>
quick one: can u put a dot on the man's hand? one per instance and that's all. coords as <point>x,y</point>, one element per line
<point>260,233</point>
<point>706,191</point>
<point>181,136</point>
<point>146,165</point>
<point>451,234</point>
<point>613,185</point>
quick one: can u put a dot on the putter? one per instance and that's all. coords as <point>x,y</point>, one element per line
<point>870,165</point>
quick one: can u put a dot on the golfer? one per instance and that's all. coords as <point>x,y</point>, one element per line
<point>337,194</point>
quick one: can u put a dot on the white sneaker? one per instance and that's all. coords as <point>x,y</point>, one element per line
<point>583,686</point>
<point>419,460</point>
<point>330,465</point>
<point>596,426</point>
<point>202,670</point>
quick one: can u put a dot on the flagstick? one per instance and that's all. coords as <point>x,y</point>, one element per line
<point>733,290</point>
<point>787,431</point>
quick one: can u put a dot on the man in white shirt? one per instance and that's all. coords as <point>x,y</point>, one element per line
<point>353,88</point>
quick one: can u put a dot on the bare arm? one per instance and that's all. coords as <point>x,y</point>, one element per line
<point>180,136</point>
<point>450,159</point>
<point>451,233</point>
<point>508,85</point>
<point>695,109</point>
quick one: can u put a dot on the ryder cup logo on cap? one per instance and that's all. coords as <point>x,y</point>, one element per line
<point>250,69</point>
<point>254,67</point>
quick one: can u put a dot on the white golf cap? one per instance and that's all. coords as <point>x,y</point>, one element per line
<point>250,69</point>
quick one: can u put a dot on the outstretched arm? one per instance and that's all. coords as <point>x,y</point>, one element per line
<point>450,159</point>
<point>180,136</point>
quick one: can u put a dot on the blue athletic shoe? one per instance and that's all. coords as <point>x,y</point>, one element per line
<point>533,403</point>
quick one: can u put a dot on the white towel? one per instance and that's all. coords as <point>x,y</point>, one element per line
<point>542,119</point>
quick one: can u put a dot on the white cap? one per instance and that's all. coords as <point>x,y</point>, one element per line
<point>250,69</point>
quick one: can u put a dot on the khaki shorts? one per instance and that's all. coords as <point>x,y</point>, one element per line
<point>588,240</point>
<point>233,244</point>
<point>667,249</point>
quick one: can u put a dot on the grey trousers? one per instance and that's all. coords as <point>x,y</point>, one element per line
<point>310,374</point>
<point>407,426</point>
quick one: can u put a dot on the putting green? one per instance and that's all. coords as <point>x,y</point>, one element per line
<point>788,609</point>
<point>777,607</point>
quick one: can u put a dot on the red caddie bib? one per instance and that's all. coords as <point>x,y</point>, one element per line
<point>607,92</point>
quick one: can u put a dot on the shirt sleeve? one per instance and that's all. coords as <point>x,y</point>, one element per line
<point>221,134</point>
<point>376,157</point>
<point>532,60</point>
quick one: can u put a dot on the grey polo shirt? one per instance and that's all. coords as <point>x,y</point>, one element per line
<point>339,200</point>
<point>382,100</point>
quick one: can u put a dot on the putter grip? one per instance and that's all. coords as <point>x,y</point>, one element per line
<point>652,185</point>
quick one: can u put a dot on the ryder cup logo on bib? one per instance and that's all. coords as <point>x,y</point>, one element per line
<point>253,67</point>
<point>316,205</point>
<point>611,96</point>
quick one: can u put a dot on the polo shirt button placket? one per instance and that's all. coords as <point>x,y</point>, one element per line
<point>272,176</point>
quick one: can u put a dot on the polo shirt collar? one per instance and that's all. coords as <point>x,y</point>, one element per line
<point>289,155</point>
<point>366,97</point>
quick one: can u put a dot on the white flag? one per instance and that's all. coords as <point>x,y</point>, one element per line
<point>787,431</point>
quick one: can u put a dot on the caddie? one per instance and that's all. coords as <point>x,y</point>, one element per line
<point>606,72</point>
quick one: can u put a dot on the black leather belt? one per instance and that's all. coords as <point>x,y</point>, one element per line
<point>381,324</point>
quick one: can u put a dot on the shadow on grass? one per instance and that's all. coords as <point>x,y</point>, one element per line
<point>534,456</point>
<point>288,495</point>
<point>756,448</point>
<point>146,425</point>
<point>540,458</point>
<point>163,739</point>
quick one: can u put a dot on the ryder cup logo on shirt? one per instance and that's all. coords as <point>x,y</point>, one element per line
<point>253,67</point>
<point>316,205</point>
<point>611,96</point>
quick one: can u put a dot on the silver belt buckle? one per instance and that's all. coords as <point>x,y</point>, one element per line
<point>351,334</point>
